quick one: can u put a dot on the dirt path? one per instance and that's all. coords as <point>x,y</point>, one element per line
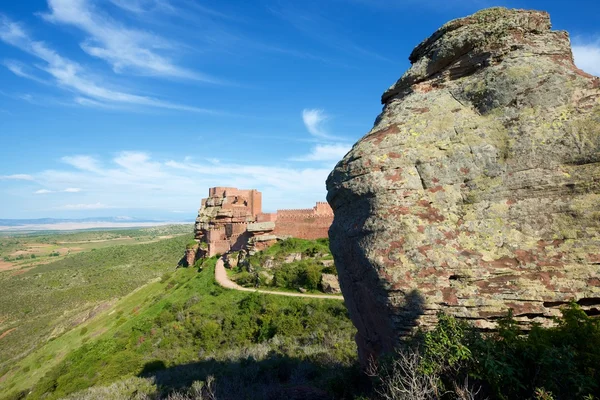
<point>223,280</point>
<point>5,334</point>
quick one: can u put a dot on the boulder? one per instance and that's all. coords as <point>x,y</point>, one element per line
<point>269,263</point>
<point>190,256</point>
<point>231,260</point>
<point>290,258</point>
<point>330,284</point>
<point>267,278</point>
<point>478,188</point>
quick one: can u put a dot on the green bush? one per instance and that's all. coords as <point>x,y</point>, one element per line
<point>562,361</point>
<point>245,278</point>
<point>310,276</point>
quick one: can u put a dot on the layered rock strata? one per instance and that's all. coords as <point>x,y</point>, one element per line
<point>477,190</point>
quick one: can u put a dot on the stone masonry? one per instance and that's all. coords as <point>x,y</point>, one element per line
<point>231,219</point>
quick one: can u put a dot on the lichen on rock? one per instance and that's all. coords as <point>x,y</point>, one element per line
<point>478,189</point>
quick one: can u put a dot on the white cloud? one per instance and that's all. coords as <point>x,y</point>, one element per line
<point>16,177</point>
<point>71,76</point>
<point>587,56</point>
<point>67,190</point>
<point>334,147</point>
<point>326,152</point>
<point>313,120</point>
<point>122,47</point>
<point>142,6</point>
<point>85,163</point>
<point>136,180</point>
<point>18,69</point>
<point>94,206</point>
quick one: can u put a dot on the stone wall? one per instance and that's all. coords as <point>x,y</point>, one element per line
<point>309,224</point>
<point>224,216</point>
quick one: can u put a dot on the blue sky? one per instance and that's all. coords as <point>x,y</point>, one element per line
<point>137,107</point>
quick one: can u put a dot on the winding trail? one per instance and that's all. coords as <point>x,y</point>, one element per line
<point>224,281</point>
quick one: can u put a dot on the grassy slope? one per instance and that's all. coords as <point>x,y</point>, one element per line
<point>187,319</point>
<point>50,299</point>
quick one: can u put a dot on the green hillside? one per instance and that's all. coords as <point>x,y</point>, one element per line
<point>93,319</point>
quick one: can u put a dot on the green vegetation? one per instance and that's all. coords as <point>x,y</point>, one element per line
<point>188,323</point>
<point>41,303</point>
<point>289,264</point>
<point>123,322</point>
<point>561,362</point>
<point>29,249</point>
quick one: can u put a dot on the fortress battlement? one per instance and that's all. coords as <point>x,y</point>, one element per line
<point>224,216</point>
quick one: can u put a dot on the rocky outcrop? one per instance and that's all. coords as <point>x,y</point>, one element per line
<point>330,284</point>
<point>190,256</point>
<point>478,188</point>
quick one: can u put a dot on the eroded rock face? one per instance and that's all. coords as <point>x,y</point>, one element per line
<point>478,188</point>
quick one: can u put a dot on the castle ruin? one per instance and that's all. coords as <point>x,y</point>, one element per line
<point>231,219</point>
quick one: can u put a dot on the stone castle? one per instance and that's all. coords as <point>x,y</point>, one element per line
<point>231,219</point>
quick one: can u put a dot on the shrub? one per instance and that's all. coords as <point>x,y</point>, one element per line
<point>245,278</point>
<point>562,361</point>
<point>310,276</point>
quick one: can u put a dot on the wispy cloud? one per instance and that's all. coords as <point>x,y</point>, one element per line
<point>93,206</point>
<point>313,120</point>
<point>587,55</point>
<point>73,77</point>
<point>19,69</point>
<point>326,152</point>
<point>125,49</point>
<point>323,30</point>
<point>143,6</point>
<point>136,180</point>
<point>16,177</point>
<point>85,163</point>
<point>331,148</point>
<point>67,190</point>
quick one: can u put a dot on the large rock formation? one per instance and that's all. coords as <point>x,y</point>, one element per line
<point>478,188</point>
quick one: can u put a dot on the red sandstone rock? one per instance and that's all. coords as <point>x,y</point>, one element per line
<point>230,219</point>
<point>478,188</point>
